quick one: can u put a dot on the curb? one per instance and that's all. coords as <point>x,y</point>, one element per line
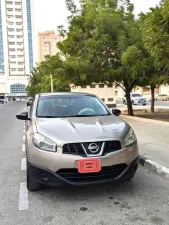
<point>154,167</point>
<point>140,119</point>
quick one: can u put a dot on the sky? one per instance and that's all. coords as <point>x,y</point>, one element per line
<point>48,14</point>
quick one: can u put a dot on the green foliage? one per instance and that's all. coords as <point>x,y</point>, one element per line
<point>39,80</point>
<point>155,30</point>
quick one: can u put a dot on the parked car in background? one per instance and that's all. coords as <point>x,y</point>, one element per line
<point>136,99</point>
<point>74,139</point>
<point>162,97</point>
<point>29,101</point>
<point>2,101</point>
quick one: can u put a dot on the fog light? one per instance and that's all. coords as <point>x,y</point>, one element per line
<point>44,176</point>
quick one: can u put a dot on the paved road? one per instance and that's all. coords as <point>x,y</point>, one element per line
<point>143,201</point>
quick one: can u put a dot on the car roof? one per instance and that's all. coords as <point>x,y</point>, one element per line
<point>66,94</point>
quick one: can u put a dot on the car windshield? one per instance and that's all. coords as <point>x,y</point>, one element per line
<point>70,106</point>
<point>136,95</point>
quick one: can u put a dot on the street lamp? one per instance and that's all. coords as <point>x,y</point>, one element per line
<point>51,82</point>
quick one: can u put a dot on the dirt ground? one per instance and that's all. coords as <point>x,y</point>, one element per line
<point>155,116</point>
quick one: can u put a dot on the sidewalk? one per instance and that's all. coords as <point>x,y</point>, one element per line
<point>153,140</point>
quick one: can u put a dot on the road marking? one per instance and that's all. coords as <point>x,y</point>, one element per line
<point>23,137</point>
<point>23,164</point>
<point>23,148</point>
<point>23,197</point>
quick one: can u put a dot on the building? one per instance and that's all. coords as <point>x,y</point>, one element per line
<point>47,42</point>
<point>108,93</point>
<point>112,94</point>
<point>16,46</point>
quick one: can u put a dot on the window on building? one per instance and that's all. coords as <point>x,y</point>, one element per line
<point>11,36</point>
<point>92,86</point>
<point>110,85</point>
<point>11,43</point>
<point>146,89</point>
<point>18,10</point>
<point>11,49</point>
<point>18,88</point>
<point>19,43</point>
<point>20,63</point>
<point>9,9</point>
<point>17,3</point>
<point>18,17</point>
<point>19,36</point>
<point>10,29</point>
<point>12,62</point>
<point>12,56</point>
<point>13,70</point>
<point>20,70</point>
<point>9,2</point>
<point>20,56</point>
<point>110,99</point>
<point>11,16</point>
<point>10,23</point>
<point>19,30</point>
<point>18,23</point>
<point>116,93</point>
<point>19,50</point>
<point>101,85</point>
<point>83,86</point>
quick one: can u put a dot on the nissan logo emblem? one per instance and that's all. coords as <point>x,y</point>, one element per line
<point>93,148</point>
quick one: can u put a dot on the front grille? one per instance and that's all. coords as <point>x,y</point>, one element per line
<point>111,146</point>
<point>107,173</point>
<point>77,148</point>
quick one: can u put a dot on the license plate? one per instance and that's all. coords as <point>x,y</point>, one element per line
<point>89,165</point>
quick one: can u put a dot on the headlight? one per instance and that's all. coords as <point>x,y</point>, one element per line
<point>130,138</point>
<point>43,143</point>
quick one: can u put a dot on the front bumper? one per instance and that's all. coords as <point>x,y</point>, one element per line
<point>72,177</point>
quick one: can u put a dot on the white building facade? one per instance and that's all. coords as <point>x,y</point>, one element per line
<point>16,46</point>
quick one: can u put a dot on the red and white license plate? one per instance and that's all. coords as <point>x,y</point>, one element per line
<point>89,165</point>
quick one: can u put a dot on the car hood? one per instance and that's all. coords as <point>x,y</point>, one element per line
<point>78,129</point>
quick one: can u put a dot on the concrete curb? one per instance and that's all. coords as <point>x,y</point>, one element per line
<point>139,119</point>
<point>154,167</point>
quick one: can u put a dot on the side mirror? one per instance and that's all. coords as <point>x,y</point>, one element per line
<point>22,116</point>
<point>116,112</point>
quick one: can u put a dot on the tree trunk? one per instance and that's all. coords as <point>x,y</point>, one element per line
<point>152,98</point>
<point>129,103</point>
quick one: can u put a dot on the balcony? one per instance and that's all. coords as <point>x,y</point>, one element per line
<point>12,52</point>
<point>11,26</point>
<point>9,13</point>
<point>20,33</point>
<point>19,20</point>
<point>19,27</point>
<point>18,13</point>
<point>20,66</point>
<point>11,32</point>
<point>13,65</point>
<point>11,39</point>
<point>12,60</point>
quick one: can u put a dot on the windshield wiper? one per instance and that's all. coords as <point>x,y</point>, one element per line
<point>90,115</point>
<point>48,117</point>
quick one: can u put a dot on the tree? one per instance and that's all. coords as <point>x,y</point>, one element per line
<point>155,27</point>
<point>103,45</point>
<point>39,80</point>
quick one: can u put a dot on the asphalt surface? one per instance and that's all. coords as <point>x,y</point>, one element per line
<point>143,201</point>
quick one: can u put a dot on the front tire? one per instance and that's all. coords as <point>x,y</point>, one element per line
<point>32,184</point>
